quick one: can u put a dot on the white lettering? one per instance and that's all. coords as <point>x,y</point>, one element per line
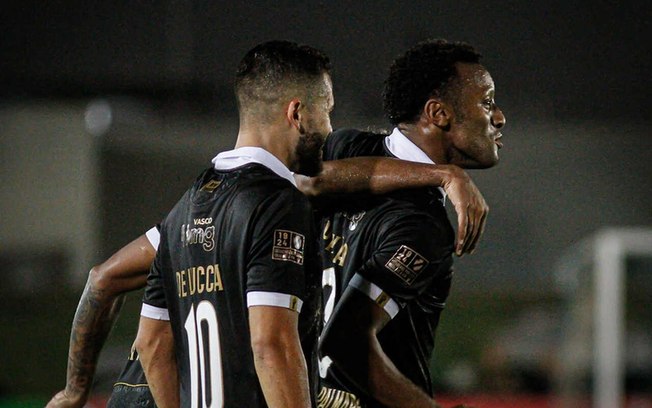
<point>204,236</point>
<point>203,221</point>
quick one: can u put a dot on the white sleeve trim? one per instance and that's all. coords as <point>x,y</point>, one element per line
<point>154,237</point>
<point>376,294</point>
<point>274,299</point>
<point>153,312</point>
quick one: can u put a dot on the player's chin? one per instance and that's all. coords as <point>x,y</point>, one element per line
<point>481,161</point>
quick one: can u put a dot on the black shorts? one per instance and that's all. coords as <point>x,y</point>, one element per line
<point>125,395</point>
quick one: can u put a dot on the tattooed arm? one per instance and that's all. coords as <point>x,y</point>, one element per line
<point>103,296</point>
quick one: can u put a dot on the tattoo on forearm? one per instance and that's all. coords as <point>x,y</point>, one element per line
<point>93,320</point>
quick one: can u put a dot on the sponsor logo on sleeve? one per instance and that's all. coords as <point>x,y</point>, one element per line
<point>407,264</point>
<point>288,246</point>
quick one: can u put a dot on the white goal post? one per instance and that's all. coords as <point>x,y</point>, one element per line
<point>601,260</point>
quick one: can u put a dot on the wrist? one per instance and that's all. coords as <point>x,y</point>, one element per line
<point>76,398</point>
<point>448,174</point>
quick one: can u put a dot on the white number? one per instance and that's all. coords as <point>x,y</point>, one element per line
<point>193,325</point>
<point>327,280</point>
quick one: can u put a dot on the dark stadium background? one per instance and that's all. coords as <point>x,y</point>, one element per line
<point>108,111</point>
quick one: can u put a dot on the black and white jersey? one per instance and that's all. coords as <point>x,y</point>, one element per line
<point>396,249</point>
<point>241,236</point>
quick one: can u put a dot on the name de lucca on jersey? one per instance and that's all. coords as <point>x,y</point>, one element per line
<point>199,279</point>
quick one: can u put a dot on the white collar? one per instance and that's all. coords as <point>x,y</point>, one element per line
<point>403,148</point>
<point>244,155</point>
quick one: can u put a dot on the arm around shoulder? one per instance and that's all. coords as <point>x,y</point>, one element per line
<point>380,175</point>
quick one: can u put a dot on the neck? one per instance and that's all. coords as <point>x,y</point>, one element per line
<point>267,136</point>
<point>428,138</point>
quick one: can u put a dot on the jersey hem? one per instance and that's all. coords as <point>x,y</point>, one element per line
<point>154,237</point>
<point>258,298</point>
<point>153,312</point>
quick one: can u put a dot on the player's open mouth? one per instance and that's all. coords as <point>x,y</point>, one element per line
<point>497,141</point>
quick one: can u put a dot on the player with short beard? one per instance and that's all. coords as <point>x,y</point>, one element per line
<point>243,317</point>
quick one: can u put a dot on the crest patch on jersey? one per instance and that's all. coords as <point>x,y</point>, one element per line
<point>211,186</point>
<point>407,264</point>
<point>288,246</point>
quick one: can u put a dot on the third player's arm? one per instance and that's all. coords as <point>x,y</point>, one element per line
<point>380,175</point>
<point>278,358</point>
<point>350,341</point>
<point>98,307</point>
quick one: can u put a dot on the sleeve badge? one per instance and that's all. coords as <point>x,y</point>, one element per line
<point>288,246</point>
<point>407,264</point>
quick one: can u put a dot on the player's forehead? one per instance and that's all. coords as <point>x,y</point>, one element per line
<point>474,78</point>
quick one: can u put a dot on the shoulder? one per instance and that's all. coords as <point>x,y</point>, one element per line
<point>344,143</point>
<point>263,188</point>
<point>354,135</point>
<point>410,223</point>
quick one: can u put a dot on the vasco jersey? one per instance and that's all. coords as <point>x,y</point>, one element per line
<point>396,249</point>
<point>239,237</point>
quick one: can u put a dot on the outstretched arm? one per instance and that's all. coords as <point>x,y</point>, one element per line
<point>278,358</point>
<point>380,175</point>
<point>124,271</point>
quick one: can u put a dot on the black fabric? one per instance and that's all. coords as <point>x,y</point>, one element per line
<point>134,397</point>
<point>233,222</point>
<point>373,238</point>
<point>131,389</point>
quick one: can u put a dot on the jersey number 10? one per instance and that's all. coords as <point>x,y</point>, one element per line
<point>210,367</point>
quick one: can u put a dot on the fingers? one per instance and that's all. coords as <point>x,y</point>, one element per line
<point>471,210</point>
<point>471,224</point>
<point>479,230</point>
<point>462,225</point>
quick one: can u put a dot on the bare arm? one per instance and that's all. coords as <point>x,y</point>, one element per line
<point>155,346</point>
<point>124,271</point>
<point>350,341</point>
<point>380,175</point>
<point>278,358</point>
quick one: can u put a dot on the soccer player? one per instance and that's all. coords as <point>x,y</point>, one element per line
<point>127,269</point>
<point>234,290</point>
<point>388,259</point>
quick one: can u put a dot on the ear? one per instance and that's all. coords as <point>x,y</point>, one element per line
<point>293,113</point>
<point>438,113</point>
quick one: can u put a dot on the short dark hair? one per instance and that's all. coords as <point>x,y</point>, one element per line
<point>425,70</point>
<point>271,68</point>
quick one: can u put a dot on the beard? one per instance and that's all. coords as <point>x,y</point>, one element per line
<point>308,153</point>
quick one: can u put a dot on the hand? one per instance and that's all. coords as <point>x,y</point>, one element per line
<point>471,210</point>
<point>62,399</point>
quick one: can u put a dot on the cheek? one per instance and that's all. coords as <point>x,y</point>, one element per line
<point>476,137</point>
